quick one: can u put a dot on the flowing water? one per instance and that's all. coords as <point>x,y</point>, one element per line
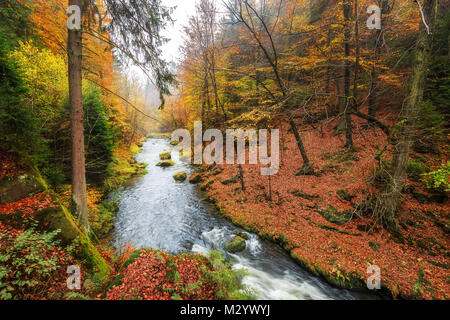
<point>157,212</point>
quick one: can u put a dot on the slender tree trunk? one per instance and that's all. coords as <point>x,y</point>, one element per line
<point>374,79</point>
<point>348,120</point>
<point>329,68</point>
<point>241,177</point>
<point>79,198</point>
<point>388,202</point>
<point>307,167</point>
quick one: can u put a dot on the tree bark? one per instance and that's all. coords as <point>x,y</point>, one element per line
<point>388,202</point>
<point>79,197</point>
<point>348,120</point>
<point>307,167</point>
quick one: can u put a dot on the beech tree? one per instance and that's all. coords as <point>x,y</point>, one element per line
<point>245,13</point>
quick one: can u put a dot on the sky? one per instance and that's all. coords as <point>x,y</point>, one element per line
<point>184,9</point>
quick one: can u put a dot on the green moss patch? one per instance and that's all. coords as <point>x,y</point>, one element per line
<point>165,163</point>
<point>235,245</point>
<point>180,176</point>
<point>165,156</point>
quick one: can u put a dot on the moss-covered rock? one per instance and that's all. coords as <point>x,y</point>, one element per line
<point>165,156</point>
<point>195,178</point>
<point>59,218</point>
<point>241,234</point>
<point>180,176</point>
<point>165,163</point>
<point>19,187</point>
<point>235,245</point>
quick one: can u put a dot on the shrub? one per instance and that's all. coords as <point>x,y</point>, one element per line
<point>228,282</point>
<point>415,170</point>
<point>99,136</point>
<point>19,130</point>
<point>32,265</point>
<point>438,180</point>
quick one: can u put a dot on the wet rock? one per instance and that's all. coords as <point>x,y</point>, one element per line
<point>165,156</point>
<point>235,245</point>
<point>165,163</point>
<point>180,176</point>
<point>241,234</point>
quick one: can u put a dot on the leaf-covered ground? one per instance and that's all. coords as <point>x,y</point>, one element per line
<point>308,214</point>
<point>157,275</point>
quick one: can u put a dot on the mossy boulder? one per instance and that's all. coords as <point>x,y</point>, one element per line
<point>165,156</point>
<point>235,245</point>
<point>241,234</point>
<point>165,163</point>
<point>59,218</point>
<point>195,178</point>
<point>21,186</point>
<point>180,176</point>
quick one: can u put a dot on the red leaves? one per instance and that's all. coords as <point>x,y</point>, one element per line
<point>157,275</point>
<point>9,166</point>
<point>26,209</point>
<point>296,221</point>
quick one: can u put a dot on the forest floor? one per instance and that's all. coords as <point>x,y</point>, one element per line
<point>324,220</point>
<point>147,274</point>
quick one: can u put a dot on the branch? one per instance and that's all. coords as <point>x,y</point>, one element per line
<point>423,17</point>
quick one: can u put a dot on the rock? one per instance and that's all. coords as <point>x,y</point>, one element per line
<point>241,234</point>
<point>180,176</point>
<point>165,163</point>
<point>59,218</point>
<point>195,178</point>
<point>165,156</point>
<point>235,245</point>
<point>19,187</point>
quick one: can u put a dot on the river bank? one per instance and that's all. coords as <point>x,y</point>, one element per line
<point>158,212</point>
<point>322,223</point>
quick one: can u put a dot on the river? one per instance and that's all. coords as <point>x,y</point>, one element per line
<point>157,212</point>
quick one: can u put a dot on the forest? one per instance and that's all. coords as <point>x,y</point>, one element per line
<point>100,198</point>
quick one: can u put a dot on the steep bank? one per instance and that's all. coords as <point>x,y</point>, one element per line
<point>324,221</point>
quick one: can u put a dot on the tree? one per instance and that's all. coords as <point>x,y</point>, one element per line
<point>388,203</point>
<point>74,51</point>
<point>136,26</point>
<point>245,13</point>
<point>19,131</point>
<point>347,9</point>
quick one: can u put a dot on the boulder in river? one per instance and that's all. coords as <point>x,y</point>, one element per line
<point>195,178</point>
<point>165,163</point>
<point>165,156</point>
<point>180,176</point>
<point>241,234</point>
<point>235,245</point>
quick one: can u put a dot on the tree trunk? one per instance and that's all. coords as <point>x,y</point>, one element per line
<point>307,167</point>
<point>348,120</point>
<point>388,203</point>
<point>79,198</point>
<point>374,79</point>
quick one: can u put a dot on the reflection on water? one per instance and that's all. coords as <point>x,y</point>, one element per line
<point>157,212</point>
